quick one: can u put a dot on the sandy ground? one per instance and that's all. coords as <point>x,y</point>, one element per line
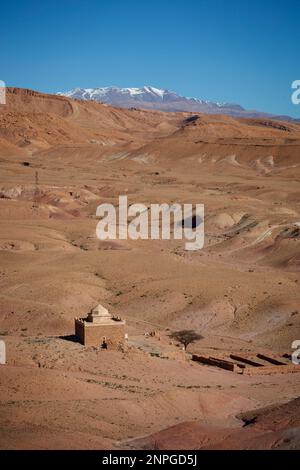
<point>241,292</point>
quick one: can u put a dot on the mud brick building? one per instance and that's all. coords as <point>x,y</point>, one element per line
<point>98,327</point>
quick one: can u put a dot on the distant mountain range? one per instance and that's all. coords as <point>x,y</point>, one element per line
<point>149,97</point>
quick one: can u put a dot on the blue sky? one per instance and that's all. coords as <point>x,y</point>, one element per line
<point>243,51</point>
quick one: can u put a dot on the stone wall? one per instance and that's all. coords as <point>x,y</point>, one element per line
<point>92,334</point>
<point>79,330</point>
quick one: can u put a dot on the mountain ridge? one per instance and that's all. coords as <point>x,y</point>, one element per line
<point>149,97</point>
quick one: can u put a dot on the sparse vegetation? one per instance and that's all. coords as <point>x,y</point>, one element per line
<point>186,337</point>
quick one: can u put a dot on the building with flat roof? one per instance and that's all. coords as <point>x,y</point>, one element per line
<point>100,328</point>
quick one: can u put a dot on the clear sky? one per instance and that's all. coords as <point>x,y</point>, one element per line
<point>242,51</point>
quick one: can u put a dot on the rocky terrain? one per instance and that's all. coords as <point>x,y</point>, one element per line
<point>60,159</point>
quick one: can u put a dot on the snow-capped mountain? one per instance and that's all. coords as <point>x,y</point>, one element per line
<point>150,97</point>
<point>114,94</point>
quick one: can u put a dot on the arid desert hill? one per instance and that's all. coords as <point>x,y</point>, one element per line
<point>59,159</point>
